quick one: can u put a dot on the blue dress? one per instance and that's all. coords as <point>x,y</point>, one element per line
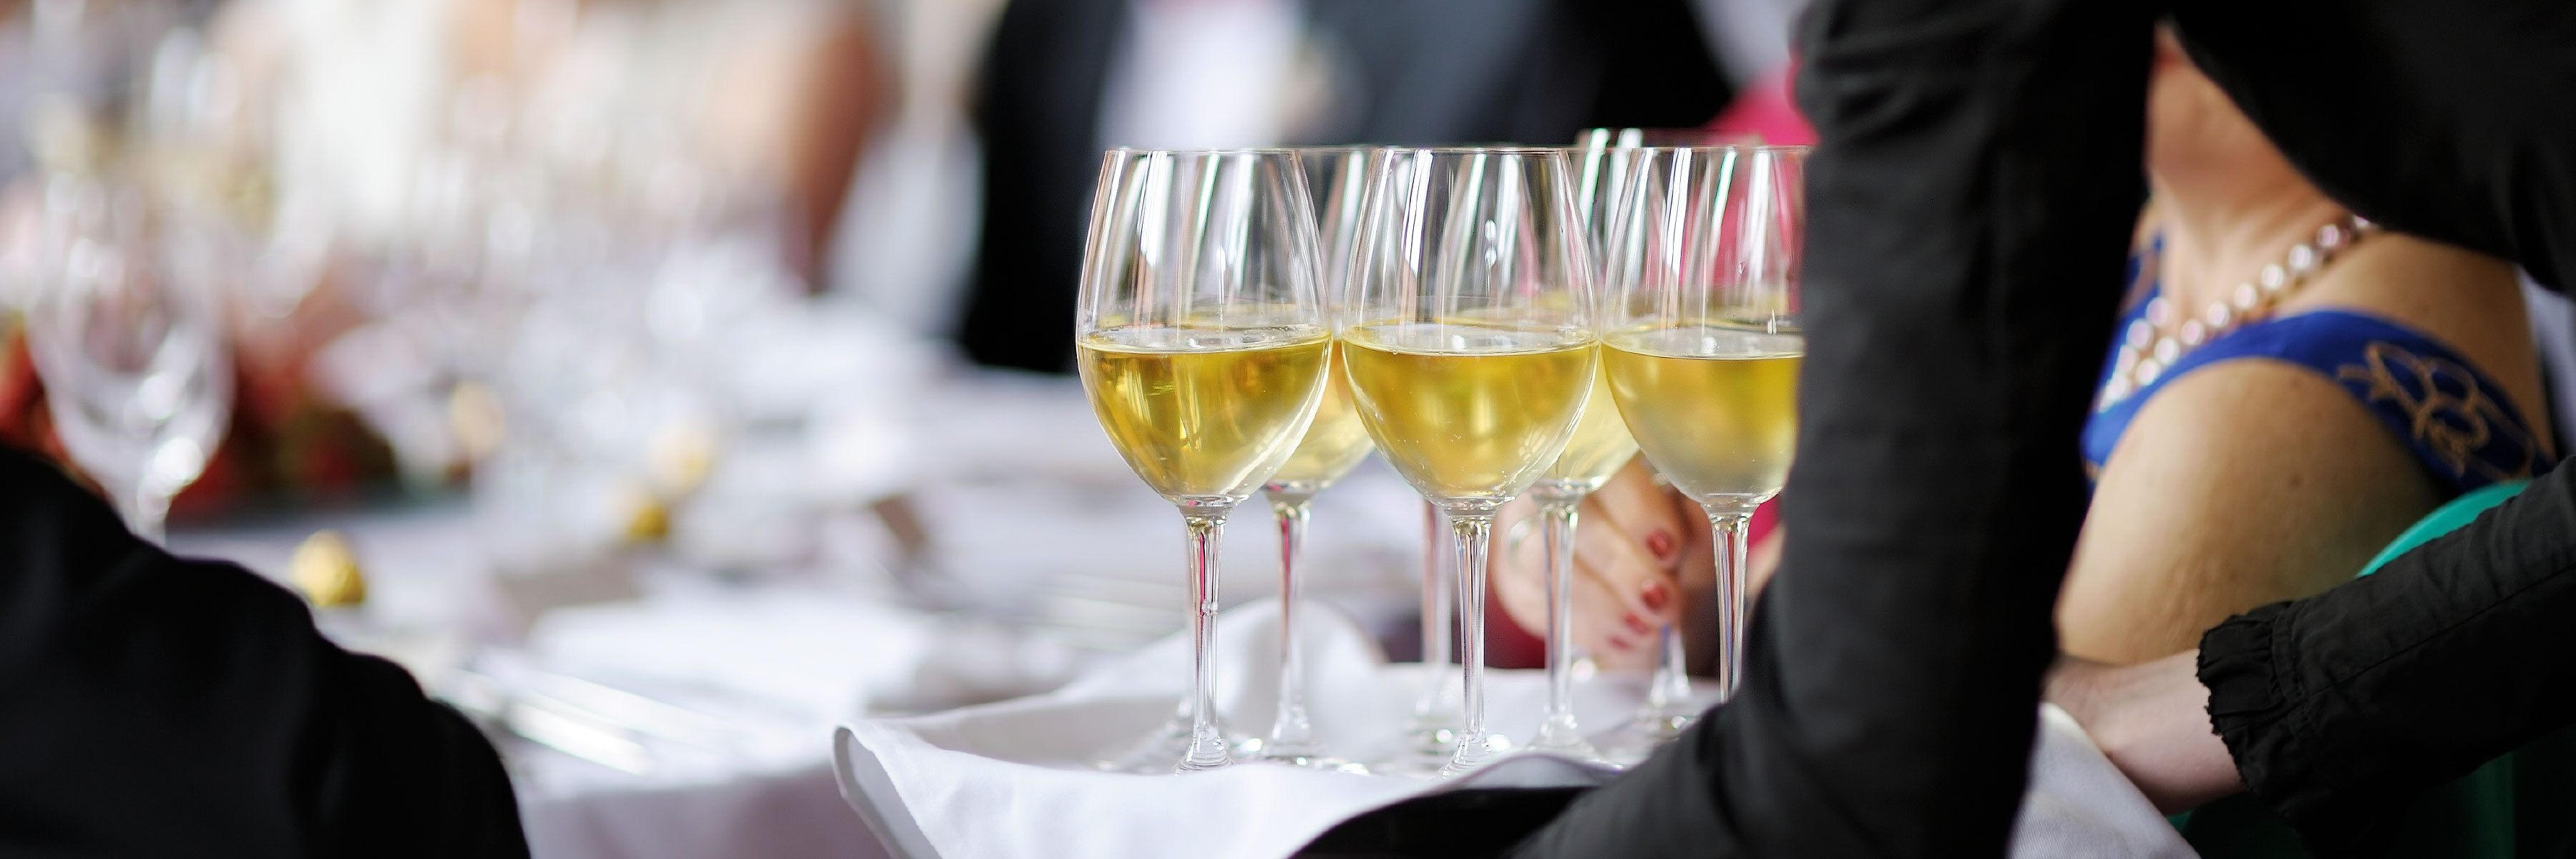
<point>2458,422</point>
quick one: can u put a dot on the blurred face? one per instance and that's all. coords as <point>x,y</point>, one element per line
<point>2194,133</point>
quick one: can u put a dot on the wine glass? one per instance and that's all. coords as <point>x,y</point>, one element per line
<point>1334,444</point>
<point>125,333</point>
<point>1470,349</point>
<point>1702,349</point>
<point>1203,344</point>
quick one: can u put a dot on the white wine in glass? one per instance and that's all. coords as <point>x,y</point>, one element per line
<point>1471,352</point>
<point>1702,349</point>
<point>1718,406</point>
<point>1204,412</point>
<point>1203,345</point>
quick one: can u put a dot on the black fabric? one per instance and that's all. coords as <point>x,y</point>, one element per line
<point>1418,72</point>
<point>2340,709</point>
<point>1455,824</point>
<point>154,706</point>
<point>1976,159</point>
<point>1037,114</point>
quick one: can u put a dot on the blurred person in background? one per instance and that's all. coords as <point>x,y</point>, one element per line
<point>1062,80</point>
<point>2271,463</point>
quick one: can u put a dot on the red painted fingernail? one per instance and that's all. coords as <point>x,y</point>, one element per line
<point>1661,544</point>
<point>1654,596</point>
<point>1638,625</point>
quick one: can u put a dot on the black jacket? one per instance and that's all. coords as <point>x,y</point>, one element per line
<point>154,706</point>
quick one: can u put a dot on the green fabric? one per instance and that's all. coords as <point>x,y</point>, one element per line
<point>2515,805</point>
<point>2445,519</point>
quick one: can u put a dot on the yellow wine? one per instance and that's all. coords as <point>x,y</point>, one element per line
<point>1600,444</point>
<point>1204,413</point>
<point>1467,410</point>
<point>1334,444</point>
<point>1715,408</point>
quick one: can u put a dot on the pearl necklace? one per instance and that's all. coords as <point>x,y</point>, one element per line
<point>2153,343</point>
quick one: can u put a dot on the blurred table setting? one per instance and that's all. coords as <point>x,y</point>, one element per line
<point>678,696</point>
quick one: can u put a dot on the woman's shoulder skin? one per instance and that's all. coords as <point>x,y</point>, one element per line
<point>2252,481</point>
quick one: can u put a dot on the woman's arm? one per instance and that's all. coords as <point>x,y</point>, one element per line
<point>2244,483</point>
<point>2152,721</point>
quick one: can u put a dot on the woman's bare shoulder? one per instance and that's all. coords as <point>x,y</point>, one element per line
<point>2243,483</point>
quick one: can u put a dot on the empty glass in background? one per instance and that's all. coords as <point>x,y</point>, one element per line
<point>1203,345</point>
<point>126,332</point>
<point>1335,443</point>
<point>1470,348</point>
<point>1702,348</point>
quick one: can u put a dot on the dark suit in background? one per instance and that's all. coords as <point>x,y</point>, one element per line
<point>155,706</point>
<point>1420,72</point>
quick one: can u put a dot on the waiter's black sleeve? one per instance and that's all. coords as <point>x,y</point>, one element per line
<point>2342,708</point>
<point>1976,181</point>
<point>153,706</point>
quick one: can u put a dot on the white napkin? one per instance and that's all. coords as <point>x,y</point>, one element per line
<point>2079,805</point>
<point>1010,779</point>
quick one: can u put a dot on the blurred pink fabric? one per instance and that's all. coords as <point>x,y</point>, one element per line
<point>1767,109</point>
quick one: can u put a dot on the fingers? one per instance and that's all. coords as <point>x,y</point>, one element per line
<point>1635,506</point>
<point>1605,622</point>
<point>1627,542</point>
<point>1603,631</point>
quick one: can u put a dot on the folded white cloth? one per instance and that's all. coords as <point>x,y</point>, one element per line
<point>1011,779</point>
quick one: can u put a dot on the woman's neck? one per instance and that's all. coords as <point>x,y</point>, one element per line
<point>2212,242</point>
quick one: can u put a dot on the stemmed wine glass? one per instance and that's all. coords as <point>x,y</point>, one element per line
<point>1334,444</point>
<point>126,334</point>
<point>1702,349</point>
<point>1203,345</point>
<point>1470,348</point>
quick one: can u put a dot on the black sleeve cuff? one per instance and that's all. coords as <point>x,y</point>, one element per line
<point>2260,710</point>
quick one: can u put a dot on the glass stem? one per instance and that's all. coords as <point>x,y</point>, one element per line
<point>1560,515</point>
<point>1207,743</point>
<point>1290,732</point>
<point>1474,531</point>
<point>1431,712</point>
<point>1668,694</point>
<point>1727,533</point>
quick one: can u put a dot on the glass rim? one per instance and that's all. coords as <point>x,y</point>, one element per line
<point>1504,148</point>
<point>1723,147</point>
<point>1248,150</point>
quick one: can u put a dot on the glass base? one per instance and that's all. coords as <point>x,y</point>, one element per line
<point>1632,741</point>
<point>1312,757</point>
<point>1423,753</point>
<point>1577,749</point>
<point>1471,756</point>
